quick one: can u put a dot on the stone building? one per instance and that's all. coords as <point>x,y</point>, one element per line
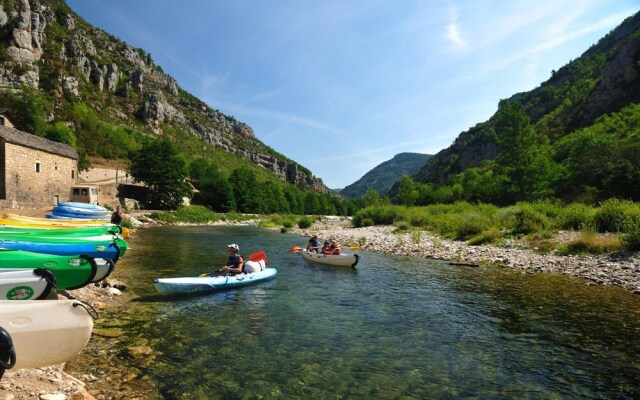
<point>34,171</point>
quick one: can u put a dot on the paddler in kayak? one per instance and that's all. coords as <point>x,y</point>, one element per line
<point>235,262</point>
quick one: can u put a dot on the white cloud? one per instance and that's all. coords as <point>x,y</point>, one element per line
<point>453,34</point>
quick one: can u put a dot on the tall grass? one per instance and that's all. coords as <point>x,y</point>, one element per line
<point>484,223</point>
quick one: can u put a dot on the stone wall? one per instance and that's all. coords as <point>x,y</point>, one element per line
<point>25,187</point>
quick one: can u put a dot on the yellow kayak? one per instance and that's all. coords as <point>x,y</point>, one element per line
<point>54,225</point>
<point>55,222</point>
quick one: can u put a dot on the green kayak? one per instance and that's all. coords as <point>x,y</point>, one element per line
<point>72,232</point>
<point>71,272</point>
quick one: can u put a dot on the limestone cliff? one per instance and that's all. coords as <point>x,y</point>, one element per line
<point>45,45</point>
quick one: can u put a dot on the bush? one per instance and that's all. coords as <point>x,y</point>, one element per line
<point>471,224</point>
<point>632,238</point>
<point>190,214</point>
<point>617,215</point>
<point>523,219</point>
<point>575,216</point>
<point>127,223</point>
<point>305,222</point>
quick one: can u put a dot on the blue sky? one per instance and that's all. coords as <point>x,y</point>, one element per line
<point>342,86</point>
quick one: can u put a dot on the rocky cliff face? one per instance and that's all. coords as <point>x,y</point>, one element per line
<point>45,40</point>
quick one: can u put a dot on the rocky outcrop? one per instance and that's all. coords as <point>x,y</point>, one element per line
<point>25,44</point>
<point>619,86</point>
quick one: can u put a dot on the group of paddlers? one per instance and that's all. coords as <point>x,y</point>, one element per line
<point>329,246</point>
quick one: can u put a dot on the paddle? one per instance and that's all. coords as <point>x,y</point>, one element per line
<point>295,249</point>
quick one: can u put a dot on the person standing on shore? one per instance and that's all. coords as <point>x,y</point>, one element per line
<point>117,216</point>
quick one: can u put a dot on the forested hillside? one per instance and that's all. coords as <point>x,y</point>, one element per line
<point>576,137</point>
<point>382,177</point>
<point>63,79</point>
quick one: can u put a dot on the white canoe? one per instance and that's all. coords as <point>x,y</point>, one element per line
<point>46,332</point>
<point>203,284</point>
<point>340,260</point>
<point>25,284</point>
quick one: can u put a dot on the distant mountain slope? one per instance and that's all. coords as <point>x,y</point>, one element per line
<point>604,79</point>
<point>63,78</point>
<point>382,177</point>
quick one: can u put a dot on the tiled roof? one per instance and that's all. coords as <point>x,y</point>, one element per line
<point>36,142</point>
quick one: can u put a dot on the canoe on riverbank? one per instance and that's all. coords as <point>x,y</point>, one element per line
<point>205,284</point>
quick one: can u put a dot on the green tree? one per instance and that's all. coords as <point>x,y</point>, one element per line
<point>159,165</point>
<point>61,133</point>
<point>521,158</point>
<point>407,193</point>
<point>245,183</point>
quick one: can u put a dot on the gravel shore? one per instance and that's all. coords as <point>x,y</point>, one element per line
<point>614,269</point>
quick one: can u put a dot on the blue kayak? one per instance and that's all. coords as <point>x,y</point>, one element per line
<point>102,249</point>
<point>85,206</point>
<point>205,284</point>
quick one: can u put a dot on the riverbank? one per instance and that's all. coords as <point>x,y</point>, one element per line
<point>619,269</point>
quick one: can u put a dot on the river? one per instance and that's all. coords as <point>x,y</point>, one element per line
<point>394,328</point>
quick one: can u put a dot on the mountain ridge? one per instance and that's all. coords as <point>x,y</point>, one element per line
<point>383,176</point>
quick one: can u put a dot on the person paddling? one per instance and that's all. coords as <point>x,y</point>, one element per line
<point>235,262</point>
<point>314,245</point>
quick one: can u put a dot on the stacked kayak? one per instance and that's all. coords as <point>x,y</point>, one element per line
<point>80,211</point>
<point>206,284</point>
<point>36,258</point>
<point>40,333</point>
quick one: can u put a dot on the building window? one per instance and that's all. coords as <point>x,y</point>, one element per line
<point>73,174</point>
<point>37,167</point>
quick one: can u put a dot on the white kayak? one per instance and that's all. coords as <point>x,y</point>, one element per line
<point>46,332</point>
<point>26,284</point>
<point>340,260</point>
<point>104,268</point>
<point>203,284</point>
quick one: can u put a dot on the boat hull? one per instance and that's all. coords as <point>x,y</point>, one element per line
<point>28,284</point>
<point>338,260</point>
<point>102,249</point>
<point>206,284</point>
<point>46,332</point>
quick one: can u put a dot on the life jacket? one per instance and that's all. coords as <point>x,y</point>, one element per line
<point>235,260</point>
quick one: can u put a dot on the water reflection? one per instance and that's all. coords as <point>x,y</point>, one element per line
<point>394,328</point>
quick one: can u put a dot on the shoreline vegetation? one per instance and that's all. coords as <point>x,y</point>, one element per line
<point>530,238</point>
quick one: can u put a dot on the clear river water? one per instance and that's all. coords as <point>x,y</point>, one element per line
<point>394,328</point>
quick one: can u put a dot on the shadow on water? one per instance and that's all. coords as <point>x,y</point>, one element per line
<point>395,327</point>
